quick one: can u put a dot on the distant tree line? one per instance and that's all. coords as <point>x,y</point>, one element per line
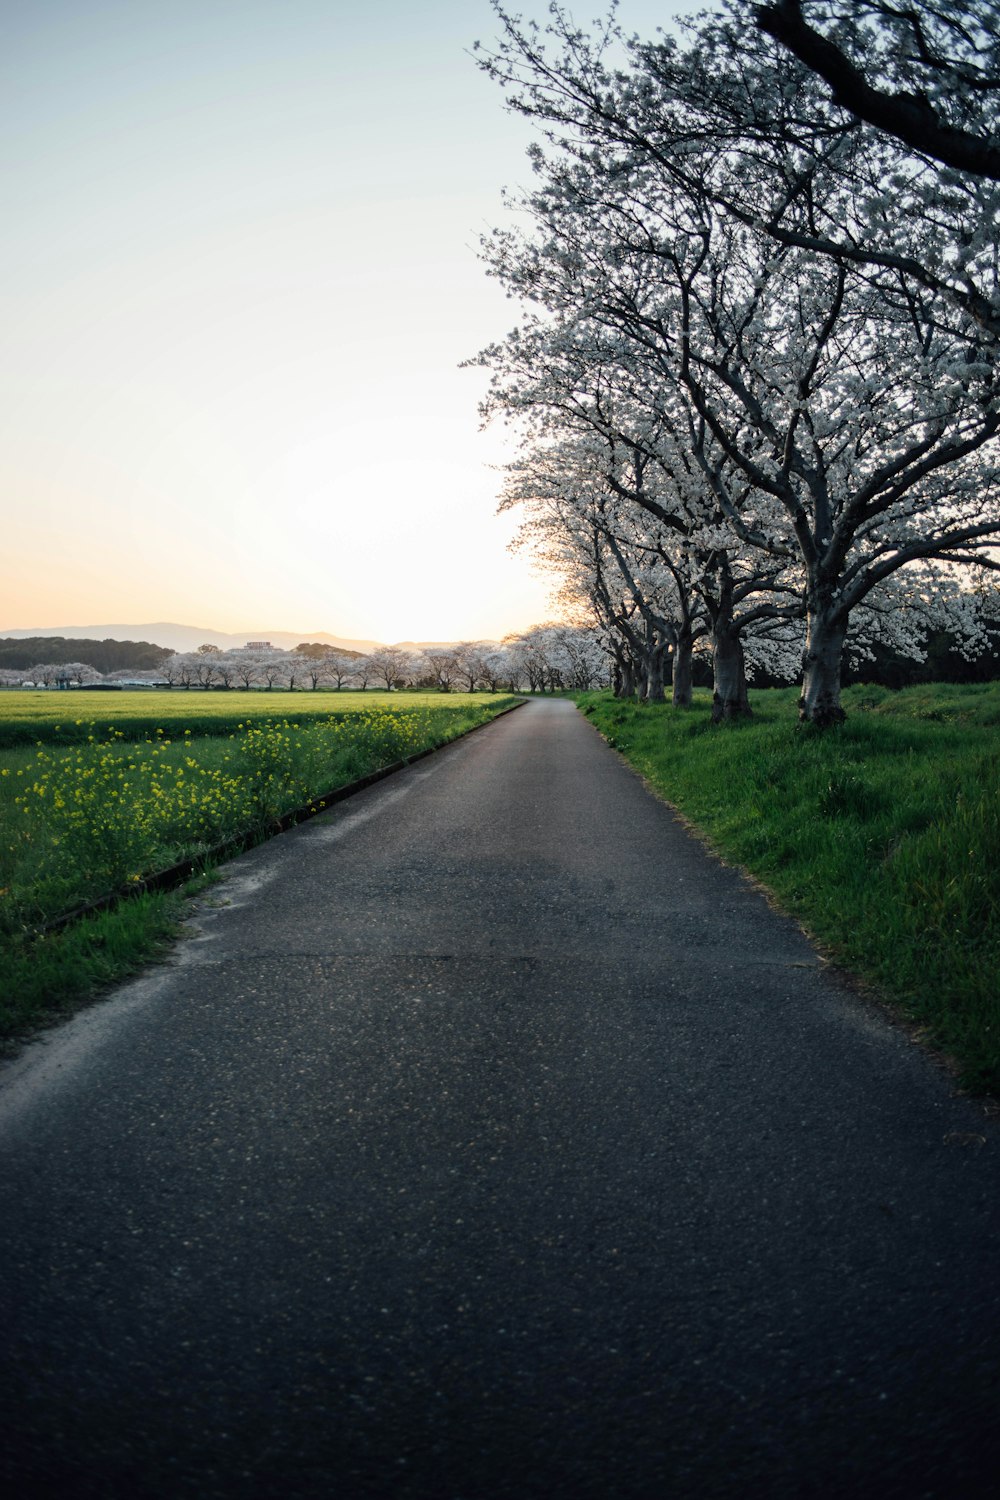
<point>547,658</point>
<point>103,656</point>
<point>544,659</point>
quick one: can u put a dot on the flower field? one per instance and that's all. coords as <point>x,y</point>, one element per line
<point>80,820</point>
<point>74,716</point>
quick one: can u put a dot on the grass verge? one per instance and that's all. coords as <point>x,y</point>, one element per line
<point>881,836</point>
<point>47,976</point>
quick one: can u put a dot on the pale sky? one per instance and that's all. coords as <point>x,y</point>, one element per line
<point>237,277</point>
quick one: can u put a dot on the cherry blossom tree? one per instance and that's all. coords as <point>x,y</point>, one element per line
<point>225,670</point>
<point>296,669</point>
<point>76,672</point>
<point>272,669</point>
<point>583,657</point>
<point>614,556</point>
<point>180,669</point>
<point>390,665</point>
<point>469,668</point>
<point>494,668</point>
<point>364,671</point>
<point>205,664</point>
<point>246,667</point>
<point>439,665</point>
<point>928,74</point>
<point>44,674</point>
<point>726,96</point>
<point>338,668</point>
<point>528,667</point>
<point>653,560</point>
<point>838,407</point>
<point>553,657</point>
<point>59,674</point>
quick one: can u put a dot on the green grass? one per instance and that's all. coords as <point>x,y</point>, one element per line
<point>881,836</point>
<point>49,977</point>
<point>80,821</point>
<point>70,716</point>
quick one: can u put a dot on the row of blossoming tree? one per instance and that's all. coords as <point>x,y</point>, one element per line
<point>755,378</point>
<point>547,658</point>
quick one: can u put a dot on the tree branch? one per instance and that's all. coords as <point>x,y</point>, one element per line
<point>911,119</point>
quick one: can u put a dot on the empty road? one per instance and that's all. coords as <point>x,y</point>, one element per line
<point>488,1140</point>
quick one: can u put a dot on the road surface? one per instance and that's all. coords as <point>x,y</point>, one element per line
<point>488,1140</point>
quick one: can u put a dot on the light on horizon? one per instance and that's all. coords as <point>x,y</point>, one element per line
<point>238,279</point>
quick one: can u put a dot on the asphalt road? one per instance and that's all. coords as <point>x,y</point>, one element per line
<point>488,1139</point>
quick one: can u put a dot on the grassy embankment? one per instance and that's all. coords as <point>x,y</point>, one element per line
<point>882,836</point>
<point>88,808</point>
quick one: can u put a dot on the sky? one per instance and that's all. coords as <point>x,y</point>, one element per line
<point>237,280</point>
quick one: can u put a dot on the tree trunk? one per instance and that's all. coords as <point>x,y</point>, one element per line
<point>654,671</point>
<point>729,696</point>
<point>626,681</point>
<point>821,662</point>
<point>681,696</point>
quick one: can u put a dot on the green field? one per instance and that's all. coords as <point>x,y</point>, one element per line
<point>73,715</point>
<point>92,807</point>
<point>881,836</point>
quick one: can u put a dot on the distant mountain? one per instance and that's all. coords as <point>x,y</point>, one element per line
<point>190,637</point>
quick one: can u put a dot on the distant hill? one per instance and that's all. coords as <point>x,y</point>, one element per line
<point>19,652</point>
<point>189,637</point>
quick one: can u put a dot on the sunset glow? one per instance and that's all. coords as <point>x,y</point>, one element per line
<point>239,277</point>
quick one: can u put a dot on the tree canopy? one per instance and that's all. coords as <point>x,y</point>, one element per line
<point>775,322</point>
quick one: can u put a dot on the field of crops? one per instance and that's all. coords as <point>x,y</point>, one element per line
<point>79,716</point>
<point>93,806</point>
